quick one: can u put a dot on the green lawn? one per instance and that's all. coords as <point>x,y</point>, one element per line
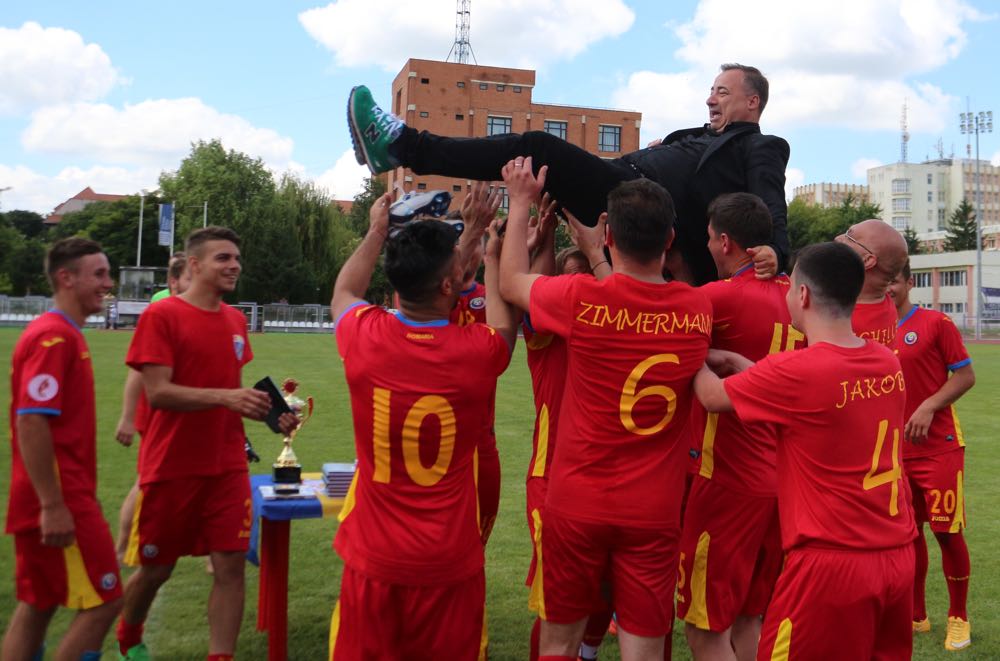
<point>177,628</point>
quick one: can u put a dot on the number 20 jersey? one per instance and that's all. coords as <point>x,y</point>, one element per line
<point>633,349</point>
<point>421,396</point>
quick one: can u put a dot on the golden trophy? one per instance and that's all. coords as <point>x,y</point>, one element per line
<point>287,469</point>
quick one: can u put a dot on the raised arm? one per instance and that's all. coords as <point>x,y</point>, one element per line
<point>479,208</point>
<point>767,159</point>
<point>590,241</point>
<point>356,274</point>
<point>500,315</point>
<point>542,237</point>
<point>523,188</point>
<point>710,392</point>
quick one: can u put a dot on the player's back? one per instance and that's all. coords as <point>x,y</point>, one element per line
<point>875,321</point>
<point>420,397</point>
<point>632,350</point>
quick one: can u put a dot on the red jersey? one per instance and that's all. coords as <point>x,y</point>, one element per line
<point>410,516</point>
<point>547,364</point>
<point>632,350</point>
<point>929,346</point>
<point>839,417</point>
<point>471,306</point>
<point>205,349</point>
<point>52,375</point>
<point>750,318</point>
<point>875,321</point>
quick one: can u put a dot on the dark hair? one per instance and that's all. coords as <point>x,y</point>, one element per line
<point>641,216</point>
<point>743,217</point>
<point>906,271</point>
<point>834,273</point>
<point>64,254</point>
<point>196,239</point>
<point>567,254</point>
<point>418,257</point>
<point>754,81</point>
<point>178,262</point>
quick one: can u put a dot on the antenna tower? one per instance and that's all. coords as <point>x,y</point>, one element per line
<point>462,49</point>
<point>904,136</point>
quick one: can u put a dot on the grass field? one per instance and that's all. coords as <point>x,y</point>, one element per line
<point>177,628</point>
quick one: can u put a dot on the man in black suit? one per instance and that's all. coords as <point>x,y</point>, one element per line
<point>728,154</point>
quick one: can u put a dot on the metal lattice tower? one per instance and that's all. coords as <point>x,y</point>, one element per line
<point>904,137</point>
<point>462,49</point>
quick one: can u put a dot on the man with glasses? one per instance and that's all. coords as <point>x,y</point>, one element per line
<point>883,251</point>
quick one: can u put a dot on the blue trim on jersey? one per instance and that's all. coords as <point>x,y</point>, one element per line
<point>906,317</point>
<point>39,411</point>
<point>960,364</point>
<point>748,266</point>
<point>68,320</point>
<point>349,308</point>
<point>466,292</point>
<point>436,323</point>
<point>527,322</point>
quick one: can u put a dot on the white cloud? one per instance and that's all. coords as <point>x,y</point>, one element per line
<point>155,132</point>
<point>850,63</point>
<point>860,167</point>
<point>520,33</point>
<point>793,177</point>
<point>37,192</point>
<point>41,66</point>
<point>345,179</point>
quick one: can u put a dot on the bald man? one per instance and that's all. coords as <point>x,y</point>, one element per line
<point>883,251</point>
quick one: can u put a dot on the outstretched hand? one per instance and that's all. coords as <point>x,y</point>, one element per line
<point>765,262</point>
<point>590,240</point>
<point>378,216</point>
<point>522,184</point>
<point>480,207</point>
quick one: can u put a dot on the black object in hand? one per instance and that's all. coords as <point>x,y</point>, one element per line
<point>278,404</point>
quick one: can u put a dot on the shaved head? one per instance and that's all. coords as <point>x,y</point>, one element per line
<point>882,248</point>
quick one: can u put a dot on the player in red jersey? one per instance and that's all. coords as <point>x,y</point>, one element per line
<point>634,343</point>
<point>64,554</point>
<point>195,492</point>
<point>846,525</point>
<point>729,540</point>
<point>883,251</point>
<point>930,347</point>
<point>413,584</point>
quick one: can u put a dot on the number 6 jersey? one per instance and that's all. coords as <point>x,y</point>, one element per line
<point>421,396</point>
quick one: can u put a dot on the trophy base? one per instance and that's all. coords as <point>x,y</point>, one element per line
<point>287,479</point>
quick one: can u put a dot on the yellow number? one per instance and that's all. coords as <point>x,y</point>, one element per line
<point>791,334</point>
<point>892,476</point>
<point>949,501</point>
<point>936,506</point>
<point>425,406</point>
<point>630,396</point>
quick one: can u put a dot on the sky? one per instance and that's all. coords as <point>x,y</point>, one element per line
<point>109,94</point>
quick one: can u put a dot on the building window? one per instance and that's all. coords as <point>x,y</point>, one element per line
<point>421,186</point>
<point>500,88</point>
<point>959,307</point>
<point>930,196</point>
<point>460,83</point>
<point>425,81</point>
<point>483,86</point>
<point>922,279</point>
<point>940,196</point>
<point>497,125</point>
<point>517,89</point>
<point>900,185</point>
<point>900,222</point>
<point>901,204</point>
<point>424,114</point>
<point>504,199</point>
<point>556,128</point>
<point>609,138</point>
<point>459,117</point>
<point>930,178</point>
<point>947,307</point>
<point>952,278</point>
<point>456,188</point>
<point>942,223</point>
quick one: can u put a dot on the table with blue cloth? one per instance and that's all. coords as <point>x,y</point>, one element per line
<point>272,526</point>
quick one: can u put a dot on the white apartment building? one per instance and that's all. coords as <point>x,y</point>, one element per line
<point>827,194</point>
<point>947,282</point>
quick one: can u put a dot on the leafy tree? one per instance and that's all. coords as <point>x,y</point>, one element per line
<point>28,223</point>
<point>961,231</point>
<point>363,201</point>
<point>912,242</point>
<point>812,223</point>
<point>25,271</point>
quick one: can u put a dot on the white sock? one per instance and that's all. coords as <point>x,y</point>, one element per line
<point>588,651</point>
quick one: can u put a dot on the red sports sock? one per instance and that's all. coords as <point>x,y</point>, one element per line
<point>129,635</point>
<point>597,626</point>
<point>920,576</point>
<point>220,657</point>
<point>536,629</point>
<point>488,486</point>
<point>955,560</point>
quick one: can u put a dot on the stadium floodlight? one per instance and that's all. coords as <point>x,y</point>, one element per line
<point>975,123</point>
<point>142,205</point>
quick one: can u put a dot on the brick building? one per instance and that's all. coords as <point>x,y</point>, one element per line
<point>469,100</point>
<point>78,202</point>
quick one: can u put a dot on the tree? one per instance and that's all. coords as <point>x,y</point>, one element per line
<point>25,268</point>
<point>961,231</point>
<point>363,201</point>
<point>28,223</point>
<point>812,223</point>
<point>912,242</point>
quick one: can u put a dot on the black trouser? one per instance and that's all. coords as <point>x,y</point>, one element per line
<point>577,179</point>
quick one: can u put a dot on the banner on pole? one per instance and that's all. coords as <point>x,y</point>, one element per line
<point>166,225</point>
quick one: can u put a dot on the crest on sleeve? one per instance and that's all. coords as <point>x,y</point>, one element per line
<point>239,345</point>
<point>478,303</point>
<point>43,387</point>
<point>910,338</point>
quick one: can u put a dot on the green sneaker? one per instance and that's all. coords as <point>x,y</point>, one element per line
<point>135,653</point>
<point>372,131</point>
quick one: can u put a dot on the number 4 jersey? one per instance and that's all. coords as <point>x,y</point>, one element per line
<point>839,418</point>
<point>421,394</point>
<point>633,349</point>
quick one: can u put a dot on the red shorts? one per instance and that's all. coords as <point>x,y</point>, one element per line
<point>841,605</point>
<point>938,487</point>
<point>190,516</point>
<point>536,489</point>
<point>640,563</point>
<point>82,575</point>
<point>730,555</point>
<point>375,619</point>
